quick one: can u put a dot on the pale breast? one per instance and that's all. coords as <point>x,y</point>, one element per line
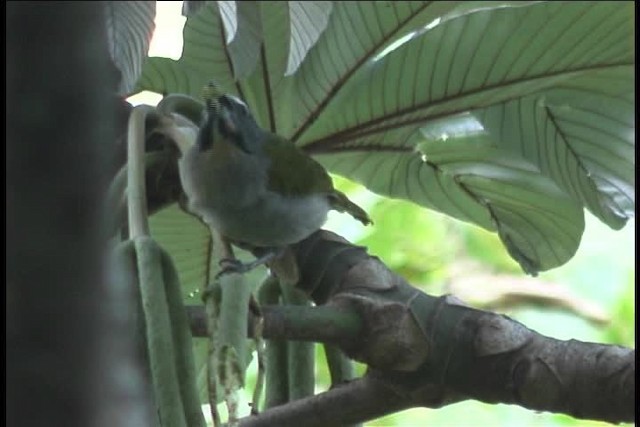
<point>231,197</point>
<point>272,221</point>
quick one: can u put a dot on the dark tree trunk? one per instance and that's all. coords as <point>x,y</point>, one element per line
<point>61,316</point>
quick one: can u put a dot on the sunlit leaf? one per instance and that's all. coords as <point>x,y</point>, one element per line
<point>308,21</point>
<point>164,75</point>
<point>404,174</point>
<point>448,70</point>
<point>204,57</point>
<point>581,134</point>
<point>473,61</point>
<point>243,35</point>
<point>129,27</point>
<point>229,14</point>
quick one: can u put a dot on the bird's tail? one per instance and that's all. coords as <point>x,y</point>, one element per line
<point>341,203</point>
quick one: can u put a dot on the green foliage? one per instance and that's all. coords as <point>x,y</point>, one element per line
<point>512,118</point>
<point>487,249</point>
<point>413,242</point>
<point>129,28</point>
<point>622,329</point>
<point>489,112</point>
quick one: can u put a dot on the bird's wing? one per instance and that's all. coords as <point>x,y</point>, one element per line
<point>292,172</point>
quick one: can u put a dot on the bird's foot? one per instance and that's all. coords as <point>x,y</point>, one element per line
<point>233,265</point>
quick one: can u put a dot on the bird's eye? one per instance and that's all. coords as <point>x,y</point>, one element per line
<point>225,101</point>
<point>234,104</point>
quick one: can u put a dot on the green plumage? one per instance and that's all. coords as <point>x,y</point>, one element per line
<point>258,190</point>
<point>294,174</point>
<point>291,172</point>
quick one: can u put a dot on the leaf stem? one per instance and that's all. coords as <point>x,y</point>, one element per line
<point>136,190</point>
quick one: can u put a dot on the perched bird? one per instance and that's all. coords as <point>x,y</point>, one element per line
<point>258,190</point>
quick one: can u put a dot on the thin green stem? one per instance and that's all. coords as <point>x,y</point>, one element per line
<point>184,105</point>
<point>340,366</point>
<point>276,369</point>
<point>182,344</point>
<point>136,190</point>
<point>160,343</point>
<point>301,355</point>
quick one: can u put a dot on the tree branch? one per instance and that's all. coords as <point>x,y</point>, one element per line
<point>365,398</point>
<point>436,350</point>
<point>296,323</point>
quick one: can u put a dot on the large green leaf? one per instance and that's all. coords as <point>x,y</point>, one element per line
<point>246,47</point>
<point>189,243</point>
<point>536,221</point>
<point>164,75</point>
<point>565,108</point>
<point>580,134</point>
<point>472,61</point>
<point>308,21</point>
<point>243,30</point>
<point>285,41</point>
<point>357,32</point>
<point>129,26</point>
<point>472,179</point>
<point>204,57</point>
<point>548,86</point>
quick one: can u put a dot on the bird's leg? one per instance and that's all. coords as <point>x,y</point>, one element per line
<point>234,265</point>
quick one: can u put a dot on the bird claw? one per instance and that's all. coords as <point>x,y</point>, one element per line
<point>232,265</point>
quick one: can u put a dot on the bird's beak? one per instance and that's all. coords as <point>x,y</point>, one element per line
<point>212,92</point>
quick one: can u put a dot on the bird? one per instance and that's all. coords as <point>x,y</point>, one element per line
<point>258,190</point>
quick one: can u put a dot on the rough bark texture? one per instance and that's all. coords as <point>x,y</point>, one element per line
<point>432,351</point>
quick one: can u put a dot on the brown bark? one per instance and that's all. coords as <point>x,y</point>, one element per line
<point>431,351</point>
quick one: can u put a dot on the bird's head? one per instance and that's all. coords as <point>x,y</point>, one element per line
<point>227,118</point>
